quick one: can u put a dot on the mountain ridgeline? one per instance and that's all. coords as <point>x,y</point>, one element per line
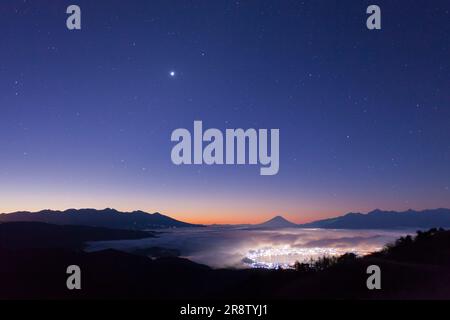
<point>107,218</point>
<point>139,220</point>
<point>378,219</point>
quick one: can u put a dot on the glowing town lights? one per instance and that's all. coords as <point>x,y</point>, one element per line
<point>285,257</point>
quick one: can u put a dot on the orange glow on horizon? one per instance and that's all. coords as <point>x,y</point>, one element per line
<point>200,217</point>
<point>214,209</point>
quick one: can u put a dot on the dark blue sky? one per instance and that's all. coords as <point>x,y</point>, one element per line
<point>86,116</point>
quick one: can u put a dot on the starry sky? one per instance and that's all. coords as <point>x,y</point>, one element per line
<point>86,116</point>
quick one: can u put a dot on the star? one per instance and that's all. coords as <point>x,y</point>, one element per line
<point>172,74</point>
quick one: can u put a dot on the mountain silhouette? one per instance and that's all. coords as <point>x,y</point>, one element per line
<point>276,222</point>
<point>379,219</point>
<point>108,218</point>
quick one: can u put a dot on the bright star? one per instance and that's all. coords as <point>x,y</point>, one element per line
<point>172,73</point>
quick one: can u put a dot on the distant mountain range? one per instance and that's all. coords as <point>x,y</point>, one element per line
<point>378,219</point>
<point>107,218</point>
<point>140,220</point>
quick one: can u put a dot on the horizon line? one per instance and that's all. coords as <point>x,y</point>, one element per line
<point>219,223</point>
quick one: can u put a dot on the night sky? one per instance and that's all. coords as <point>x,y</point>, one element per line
<point>86,116</point>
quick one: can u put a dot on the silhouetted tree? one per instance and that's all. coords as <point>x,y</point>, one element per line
<point>302,267</point>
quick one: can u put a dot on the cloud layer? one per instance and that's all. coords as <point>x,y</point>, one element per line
<point>221,247</point>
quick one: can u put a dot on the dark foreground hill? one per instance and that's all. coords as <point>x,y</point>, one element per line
<point>108,218</point>
<point>411,268</point>
<point>378,219</point>
<point>16,235</point>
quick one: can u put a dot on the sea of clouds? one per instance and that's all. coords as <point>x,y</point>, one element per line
<point>240,247</point>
